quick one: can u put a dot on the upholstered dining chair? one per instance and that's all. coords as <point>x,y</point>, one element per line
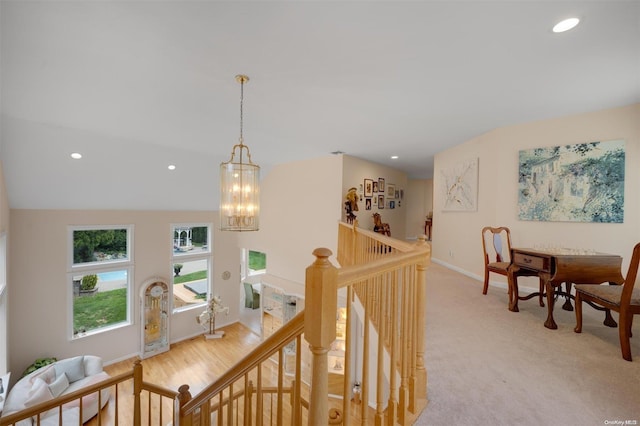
<point>624,299</point>
<point>251,297</point>
<point>496,247</point>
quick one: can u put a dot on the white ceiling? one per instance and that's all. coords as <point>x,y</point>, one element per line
<point>137,85</point>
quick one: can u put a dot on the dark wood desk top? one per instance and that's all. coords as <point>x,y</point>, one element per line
<point>570,265</point>
<point>557,266</point>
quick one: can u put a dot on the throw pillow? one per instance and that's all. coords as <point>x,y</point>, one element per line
<point>72,367</point>
<point>48,374</point>
<point>39,393</point>
<point>59,385</point>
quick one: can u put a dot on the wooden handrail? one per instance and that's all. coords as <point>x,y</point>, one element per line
<point>386,278</point>
<point>272,344</point>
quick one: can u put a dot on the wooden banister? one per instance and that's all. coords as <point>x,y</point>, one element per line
<point>385,284</point>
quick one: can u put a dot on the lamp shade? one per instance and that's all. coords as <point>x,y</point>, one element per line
<point>239,194</point>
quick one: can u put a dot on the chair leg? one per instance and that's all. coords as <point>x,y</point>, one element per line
<point>578,328</point>
<point>486,281</point>
<point>541,296</point>
<point>623,329</point>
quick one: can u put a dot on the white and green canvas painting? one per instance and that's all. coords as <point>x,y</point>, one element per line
<point>573,183</point>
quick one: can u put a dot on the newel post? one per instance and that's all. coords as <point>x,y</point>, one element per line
<point>137,388</point>
<point>321,294</point>
<point>421,323</point>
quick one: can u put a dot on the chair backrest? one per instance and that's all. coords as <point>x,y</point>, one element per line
<point>248,291</point>
<point>632,274</point>
<point>496,244</point>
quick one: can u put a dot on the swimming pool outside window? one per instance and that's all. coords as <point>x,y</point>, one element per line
<point>100,276</point>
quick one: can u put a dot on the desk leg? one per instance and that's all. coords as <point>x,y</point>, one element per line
<point>512,281</point>
<point>608,319</point>
<point>567,304</point>
<point>550,323</point>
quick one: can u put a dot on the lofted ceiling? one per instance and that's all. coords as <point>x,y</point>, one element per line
<point>137,85</point>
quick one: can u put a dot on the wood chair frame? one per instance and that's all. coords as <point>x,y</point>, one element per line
<point>623,299</point>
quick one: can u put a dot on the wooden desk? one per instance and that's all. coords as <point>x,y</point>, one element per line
<point>563,265</point>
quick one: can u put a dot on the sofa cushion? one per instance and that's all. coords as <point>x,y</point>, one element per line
<point>69,417</point>
<point>72,367</point>
<point>89,402</point>
<point>48,374</point>
<point>59,385</point>
<point>39,393</point>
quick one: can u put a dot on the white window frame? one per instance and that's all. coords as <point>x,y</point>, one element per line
<point>98,268</point>
<point>182,257</point>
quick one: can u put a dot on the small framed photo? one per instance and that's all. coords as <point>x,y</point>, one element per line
<point>367,203</point>
<point>391,191</point>
<point>392,204</point>
<point>381,184</point>
<point>368,187</point>
<point>381,201</point>
<point>375,186</point>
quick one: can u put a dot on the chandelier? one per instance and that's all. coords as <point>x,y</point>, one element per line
<point>239,184</point>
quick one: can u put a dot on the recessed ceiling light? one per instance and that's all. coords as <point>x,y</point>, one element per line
<point>171,167</point>
<point>565,25</point>
<point>394,157</point>
<point>76,155</point>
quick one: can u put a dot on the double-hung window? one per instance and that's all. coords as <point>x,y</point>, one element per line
<point>191,264</point>
<point>100,275</point>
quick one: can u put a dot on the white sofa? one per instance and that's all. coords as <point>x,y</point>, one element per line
<point>57,379</point>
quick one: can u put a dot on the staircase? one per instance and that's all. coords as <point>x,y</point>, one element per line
<point>285,380</point>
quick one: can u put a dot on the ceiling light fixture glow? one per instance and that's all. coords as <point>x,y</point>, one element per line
<point>394,157</point>
<point>171,167</point>
<point>76,155</point>
<point>565,25</point>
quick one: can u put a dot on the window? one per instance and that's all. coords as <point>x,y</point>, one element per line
<point>253,262</point>
<point>100,277</point>
<point>191,265</point>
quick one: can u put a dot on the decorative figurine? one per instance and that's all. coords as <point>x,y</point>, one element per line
<point>351,205</point>
<point>207,319</point>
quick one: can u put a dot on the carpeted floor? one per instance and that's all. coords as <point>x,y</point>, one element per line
<point>489,366</point>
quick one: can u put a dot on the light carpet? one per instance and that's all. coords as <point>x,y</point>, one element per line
<point>489,366</point>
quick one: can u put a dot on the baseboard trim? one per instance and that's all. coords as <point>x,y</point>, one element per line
<point>497,284</point>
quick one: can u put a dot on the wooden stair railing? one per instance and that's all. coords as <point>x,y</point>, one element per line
<point>388,277</point>
<point>132,402</point>
<point>239,396</point>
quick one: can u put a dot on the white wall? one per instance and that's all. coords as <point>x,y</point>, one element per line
<point>458,233</point>
<point>299,210</point>
<point>38,291</point>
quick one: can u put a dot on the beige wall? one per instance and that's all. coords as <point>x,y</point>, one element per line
<point>456,235</point>
<point>354,172</point>
<point>299,212</point>
<point>39,291</point>
<point>419,202</point>
<point>4,229</point>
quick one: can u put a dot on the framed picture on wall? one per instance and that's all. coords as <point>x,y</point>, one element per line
<point>367,203</point>
<point>375,186</point>
<point>392,204</point>
<point>368,187</point>
<point>381,184</point>
<point>391,191</point>
<point>381,201</point>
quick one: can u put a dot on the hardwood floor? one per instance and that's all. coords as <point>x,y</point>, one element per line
<point>196,362</point>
